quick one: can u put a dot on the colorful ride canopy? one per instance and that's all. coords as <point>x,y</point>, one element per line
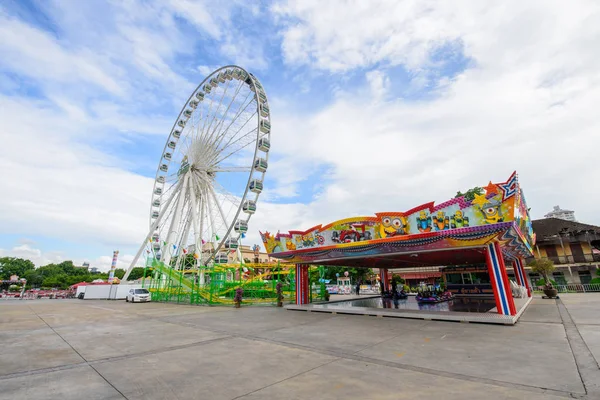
<point>499,213</point>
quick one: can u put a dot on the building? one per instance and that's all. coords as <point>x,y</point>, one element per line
<point>572,246</point>
<point>559,213</point>
<point>247,253</point>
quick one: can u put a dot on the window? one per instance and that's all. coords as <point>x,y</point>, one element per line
<point>467,278</point>
<point>559,278</point>
<point>454,279</point>
<point>141,291</point>
<point>480,278</point>
<point>585,277</point>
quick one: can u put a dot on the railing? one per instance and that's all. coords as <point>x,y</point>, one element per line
<point>573,288</point>
<point>575,259</point>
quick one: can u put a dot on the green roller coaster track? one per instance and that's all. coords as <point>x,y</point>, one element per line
<point>258,282</point>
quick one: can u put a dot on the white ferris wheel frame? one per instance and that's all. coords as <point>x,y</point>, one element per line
<point>186,187</point>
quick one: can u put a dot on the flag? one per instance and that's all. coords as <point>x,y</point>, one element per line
<point>203,241</point>
<point>196,256</point>
<point>148,251</point>
<point>174,247</point>
<point>216,236</point>
<point>164,243</point>
<point>243,235</point>
<point>184,251</point>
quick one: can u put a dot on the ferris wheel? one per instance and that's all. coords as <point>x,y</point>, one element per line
<point>211,171</point>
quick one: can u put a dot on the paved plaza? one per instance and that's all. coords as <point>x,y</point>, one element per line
<point>84,349</point>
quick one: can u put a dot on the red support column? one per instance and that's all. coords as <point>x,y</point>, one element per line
<point>385,278</point>
<point>521,266</point>
<point>301,284</point>
<point>497,270</point>
<point>517,273</point>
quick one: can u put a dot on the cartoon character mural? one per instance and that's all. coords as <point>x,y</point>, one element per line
<point>441,221</point>
<point>502,202</point>
<point>459,220</point>
<point>424,221</point>
<point>355,233</point>
<point>271,245</point>
<point>393,226</point>
<point>289,244</point>
<point>491,209</point>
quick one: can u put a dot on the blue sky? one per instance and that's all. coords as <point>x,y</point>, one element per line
<point>375,106</point>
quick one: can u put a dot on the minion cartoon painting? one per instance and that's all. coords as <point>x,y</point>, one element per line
<point>492,212</point>
<point>424,222</point>
<point>440,221</point>
<point>459,220</point>
<point>393,226</point>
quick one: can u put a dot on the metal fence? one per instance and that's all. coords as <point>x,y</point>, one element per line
<point>574,288</point>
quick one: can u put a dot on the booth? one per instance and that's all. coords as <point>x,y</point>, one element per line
<point>489,227</point>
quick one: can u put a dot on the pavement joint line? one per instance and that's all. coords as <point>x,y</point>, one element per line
<point>83,358</point>
<point>586,363</point>
<point>452,375</point>
<point>285,379</point>
<point>110,359</point>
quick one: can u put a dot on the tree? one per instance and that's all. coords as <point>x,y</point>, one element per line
<point>119,273</point>
<point>356,274</point>
<point>470,194</point>
<point>138,273</point>
<point>14,266</point>
<point>543,267</point>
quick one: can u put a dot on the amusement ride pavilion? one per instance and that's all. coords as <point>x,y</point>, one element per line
<point>493,228</point>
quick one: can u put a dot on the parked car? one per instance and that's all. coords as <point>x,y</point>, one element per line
<point>138,295</point>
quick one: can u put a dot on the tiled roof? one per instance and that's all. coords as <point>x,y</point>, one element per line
<point>553,226</point>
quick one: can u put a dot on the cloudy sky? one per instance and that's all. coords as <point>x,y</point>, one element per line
<point>376,106</point>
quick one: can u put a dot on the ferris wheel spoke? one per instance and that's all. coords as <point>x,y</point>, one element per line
<point>220,123</point>
<point>249,134</point>
<point>230,196</point>
<point>232,169</point>
<point>223,134</point>
<point>248,100</point>
<point>217,111</point>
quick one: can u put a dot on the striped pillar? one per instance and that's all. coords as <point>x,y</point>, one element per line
<point>523,275</point>
<point>517,270</point>
<point>497,270</point>
<point>301,284</point>
<point>385,278</point>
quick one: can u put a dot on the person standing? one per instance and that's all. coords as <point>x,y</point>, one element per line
<point>358,288</point>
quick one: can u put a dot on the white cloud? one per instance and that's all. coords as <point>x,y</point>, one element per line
<point>528,102</point>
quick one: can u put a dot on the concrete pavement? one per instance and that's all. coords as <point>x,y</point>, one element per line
<point>73,349</point>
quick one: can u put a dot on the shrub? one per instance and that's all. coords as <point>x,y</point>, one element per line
<point>595,281</point>
<point>544,267</point>
<point>542,282</point>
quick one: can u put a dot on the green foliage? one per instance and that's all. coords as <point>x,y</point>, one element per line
<point>138,273</point>
<point>544,267</point>
<point>470,194</point>
<point>356,274</point>
<point>60,276</point>
<point>597,271</point>
<point>595,281</point>
<point>120,273</point>
<point>14,266</point>
<point>542,282</point>
<point>398,280</point>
